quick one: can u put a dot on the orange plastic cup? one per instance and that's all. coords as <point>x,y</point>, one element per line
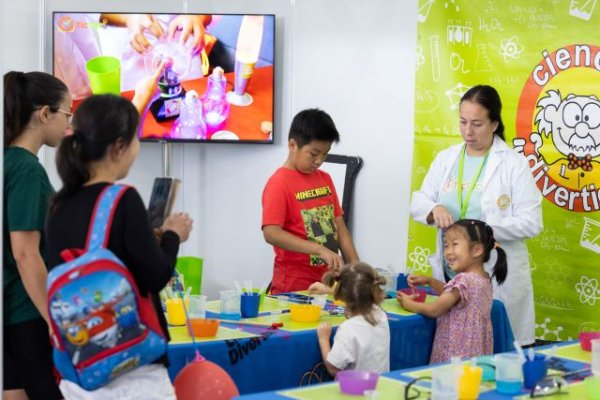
<point>202,327</point>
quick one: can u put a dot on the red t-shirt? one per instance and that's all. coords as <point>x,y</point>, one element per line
<point>305,205</point>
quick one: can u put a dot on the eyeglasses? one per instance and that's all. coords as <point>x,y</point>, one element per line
<point>549,386</point>
<point>69,114</point>
<point>412,393</point>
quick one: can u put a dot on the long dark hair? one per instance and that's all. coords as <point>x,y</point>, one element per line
<point>359,286</point>
<point>23,94</point>
<point>98,122</point>
<point>488,98</point>
<point>481,233</point>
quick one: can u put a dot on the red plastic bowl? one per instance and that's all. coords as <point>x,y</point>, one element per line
<point>421,294</point>
<point>356,382</point>
<point>585,339</point>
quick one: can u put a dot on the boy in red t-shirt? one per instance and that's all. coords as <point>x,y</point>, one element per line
<point>302,217</point>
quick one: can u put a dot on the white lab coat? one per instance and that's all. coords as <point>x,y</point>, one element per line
<point>506,177</point>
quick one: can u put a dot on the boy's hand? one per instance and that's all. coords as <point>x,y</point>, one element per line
<point>324,331</point>
<point>417,280</point>
<point>333,260</point>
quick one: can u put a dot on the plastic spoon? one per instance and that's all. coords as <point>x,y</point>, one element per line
<point>519,350</point>
<point>530,354</point>
<point>237,286</point>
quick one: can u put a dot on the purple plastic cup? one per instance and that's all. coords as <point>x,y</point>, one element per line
<point>356,382</point>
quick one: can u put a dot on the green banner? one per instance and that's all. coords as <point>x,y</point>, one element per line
<point>543,58</point>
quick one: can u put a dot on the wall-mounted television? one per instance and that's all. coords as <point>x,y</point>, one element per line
<point>216,77</point>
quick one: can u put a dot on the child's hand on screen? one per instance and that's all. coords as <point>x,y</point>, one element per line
<point>190,25</point>
<point>137,24</point>
<point>145,88</point>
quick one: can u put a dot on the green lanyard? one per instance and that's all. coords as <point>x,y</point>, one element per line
<point>461,166</point>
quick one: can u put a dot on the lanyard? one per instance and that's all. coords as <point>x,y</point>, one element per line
<point>461,166</point>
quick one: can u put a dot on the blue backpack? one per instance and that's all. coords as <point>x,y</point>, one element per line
<point>102,327</point>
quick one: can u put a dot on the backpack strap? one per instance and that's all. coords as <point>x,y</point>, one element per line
<point>102,216</point>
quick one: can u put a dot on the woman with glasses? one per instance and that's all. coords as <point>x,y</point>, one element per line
<point>37,112</point>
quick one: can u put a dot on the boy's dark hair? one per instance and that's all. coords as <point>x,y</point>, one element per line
<point>99,121</point>
<point>487,97</point>
<point>25,92</point>
<point>482,233</point>
<point>313,124</point>
<point>359,286</point>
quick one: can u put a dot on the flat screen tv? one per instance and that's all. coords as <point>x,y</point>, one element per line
<point>215,71</point>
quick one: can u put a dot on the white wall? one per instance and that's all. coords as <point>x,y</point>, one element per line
<point>352,58</point>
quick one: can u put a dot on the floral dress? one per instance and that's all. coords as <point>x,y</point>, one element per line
<point>466,329</point>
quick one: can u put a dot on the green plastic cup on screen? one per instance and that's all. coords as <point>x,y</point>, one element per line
<point>104,74</point>
<point>191,269</point>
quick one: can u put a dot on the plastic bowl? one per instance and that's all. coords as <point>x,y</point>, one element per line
<point>356,382</point>
<point>585,339</point>
<point>421,294</point>
<point>305,312</point>
<point>204,327</point>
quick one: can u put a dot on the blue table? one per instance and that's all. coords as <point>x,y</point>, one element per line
<point>568,358</point>
<point>279,359</point>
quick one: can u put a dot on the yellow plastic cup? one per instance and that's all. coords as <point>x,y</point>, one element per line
<point>470,380</point>
<point>175,312</point>
<point>104,74</point>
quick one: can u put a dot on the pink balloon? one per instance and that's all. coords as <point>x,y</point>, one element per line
<point>204,380</point>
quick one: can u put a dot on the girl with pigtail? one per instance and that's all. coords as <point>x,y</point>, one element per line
<point>464,327</point>
<point>362,342</point>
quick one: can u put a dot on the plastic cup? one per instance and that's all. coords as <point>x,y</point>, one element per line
<point>596,356</point>
<point>534,370</point>
<point>470,380</point>
<point>592,387</point>
<point>249,305</point>
<point>402,281</point>
<point>104,74</point>
<point>175,312</point>
<point>444,383</point>
<point>197,306</point>
<point>509,373</point>
<point>230,304</point>
<point>191,269</point>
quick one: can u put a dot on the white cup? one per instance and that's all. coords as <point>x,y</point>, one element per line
<point>444,383</point>
<point>595,356</point>
<point>197,306</point>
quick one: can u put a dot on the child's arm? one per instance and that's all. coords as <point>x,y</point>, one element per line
<point>346,243</point>
<point>324,333</point>
<point>416,280</point>
<point>276,236</point>
<point>445,302</point>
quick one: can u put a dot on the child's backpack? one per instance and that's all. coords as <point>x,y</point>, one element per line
<point>102,327</point>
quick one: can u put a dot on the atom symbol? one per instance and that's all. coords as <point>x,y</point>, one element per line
<point>510,48</point>
<point>588,290</point>
<point>419,259</point>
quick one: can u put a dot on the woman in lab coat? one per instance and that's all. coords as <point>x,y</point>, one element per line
<point>494,185</point>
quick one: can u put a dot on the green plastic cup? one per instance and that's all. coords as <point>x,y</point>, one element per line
<point>104,74</point>
<point>191,269</point>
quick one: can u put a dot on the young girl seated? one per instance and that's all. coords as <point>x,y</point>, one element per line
<point>362,342</point>
<point>464,327</point>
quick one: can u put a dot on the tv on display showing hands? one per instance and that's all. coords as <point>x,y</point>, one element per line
<point>194,77</point>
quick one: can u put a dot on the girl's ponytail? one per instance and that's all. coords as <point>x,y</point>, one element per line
<point>70,167</point>
<point>501,267</point>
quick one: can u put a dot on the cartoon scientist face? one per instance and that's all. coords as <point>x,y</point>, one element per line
<point>575,125</point>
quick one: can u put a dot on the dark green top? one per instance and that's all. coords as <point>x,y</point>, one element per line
<point>27,191</point>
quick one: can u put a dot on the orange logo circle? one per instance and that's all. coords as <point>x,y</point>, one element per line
<point>558,126</point>
<point>66,24</point>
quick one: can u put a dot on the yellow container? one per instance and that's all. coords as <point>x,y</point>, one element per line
<point>175,313</point>
<point>305,312</point>
<point>468,387</point>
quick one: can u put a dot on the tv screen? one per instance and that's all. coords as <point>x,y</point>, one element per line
<point>215,71</point>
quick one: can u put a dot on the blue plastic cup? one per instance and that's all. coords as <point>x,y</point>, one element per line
<point>249,305</point>
<point>402,281</point>
<point>534,370</point>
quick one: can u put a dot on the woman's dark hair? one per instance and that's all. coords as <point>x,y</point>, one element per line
<point>359,286</point>
<point>482,233</point>
<point>98,122</point>
<point>313,124</point>
<point>23,94</point>
<point>488,98</point>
